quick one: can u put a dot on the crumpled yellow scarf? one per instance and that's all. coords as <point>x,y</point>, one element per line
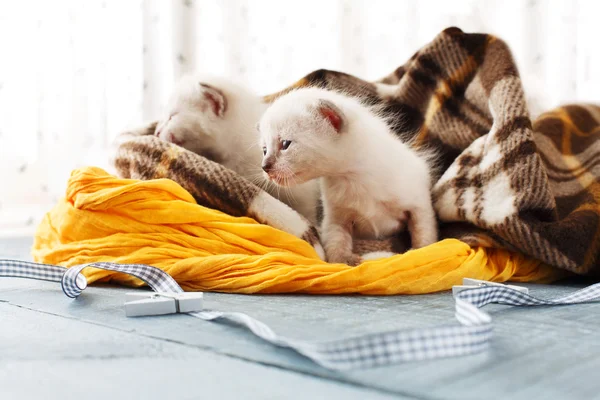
<point>157,222</point>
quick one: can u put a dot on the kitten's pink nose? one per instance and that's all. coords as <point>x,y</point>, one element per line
<point>171,138</point>
<point>267,165</point>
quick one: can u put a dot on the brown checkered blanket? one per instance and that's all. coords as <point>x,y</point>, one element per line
<point>531,188</point>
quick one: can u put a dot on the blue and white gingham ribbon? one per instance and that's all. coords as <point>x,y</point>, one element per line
<point>375,349</point>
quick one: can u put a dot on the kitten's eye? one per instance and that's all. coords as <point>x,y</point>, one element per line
<point>285,144</point>
<point>264,151</point>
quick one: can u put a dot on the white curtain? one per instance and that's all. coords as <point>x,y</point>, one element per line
<point>75,73</point>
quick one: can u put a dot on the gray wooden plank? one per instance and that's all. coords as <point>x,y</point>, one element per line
<point>535,362</point>
<point>52,357</point>
<point>17,248</point>
<point>546,353</point>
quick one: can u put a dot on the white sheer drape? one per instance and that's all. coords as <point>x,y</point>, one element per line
<point>75,73</point>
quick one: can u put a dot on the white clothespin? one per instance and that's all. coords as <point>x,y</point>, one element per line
<point>469,283</point>
<point>155,303</point>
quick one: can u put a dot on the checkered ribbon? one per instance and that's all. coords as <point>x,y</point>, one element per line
<point>375,349</point>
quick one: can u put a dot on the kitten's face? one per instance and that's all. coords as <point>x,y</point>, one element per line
<point>297,140</point>
<point>194,111</point>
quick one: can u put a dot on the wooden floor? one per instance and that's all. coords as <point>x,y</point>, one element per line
<point>52,347</point>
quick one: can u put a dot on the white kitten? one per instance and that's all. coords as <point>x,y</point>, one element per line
<point>371,182</point>
<point>216,118</point>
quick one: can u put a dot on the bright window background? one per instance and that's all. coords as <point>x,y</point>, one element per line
<point>75,73</point>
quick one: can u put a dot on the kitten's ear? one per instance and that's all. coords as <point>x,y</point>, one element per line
<point>213,99</point>
<point>332,114</point>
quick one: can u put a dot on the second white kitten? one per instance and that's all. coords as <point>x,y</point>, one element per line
<point>372,184</point>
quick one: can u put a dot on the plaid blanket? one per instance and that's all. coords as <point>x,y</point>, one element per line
<point>506,182</point>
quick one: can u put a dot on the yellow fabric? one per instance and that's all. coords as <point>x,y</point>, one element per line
<point>157,222</point>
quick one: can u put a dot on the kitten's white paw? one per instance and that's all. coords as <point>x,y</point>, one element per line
<point>376,255</point>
